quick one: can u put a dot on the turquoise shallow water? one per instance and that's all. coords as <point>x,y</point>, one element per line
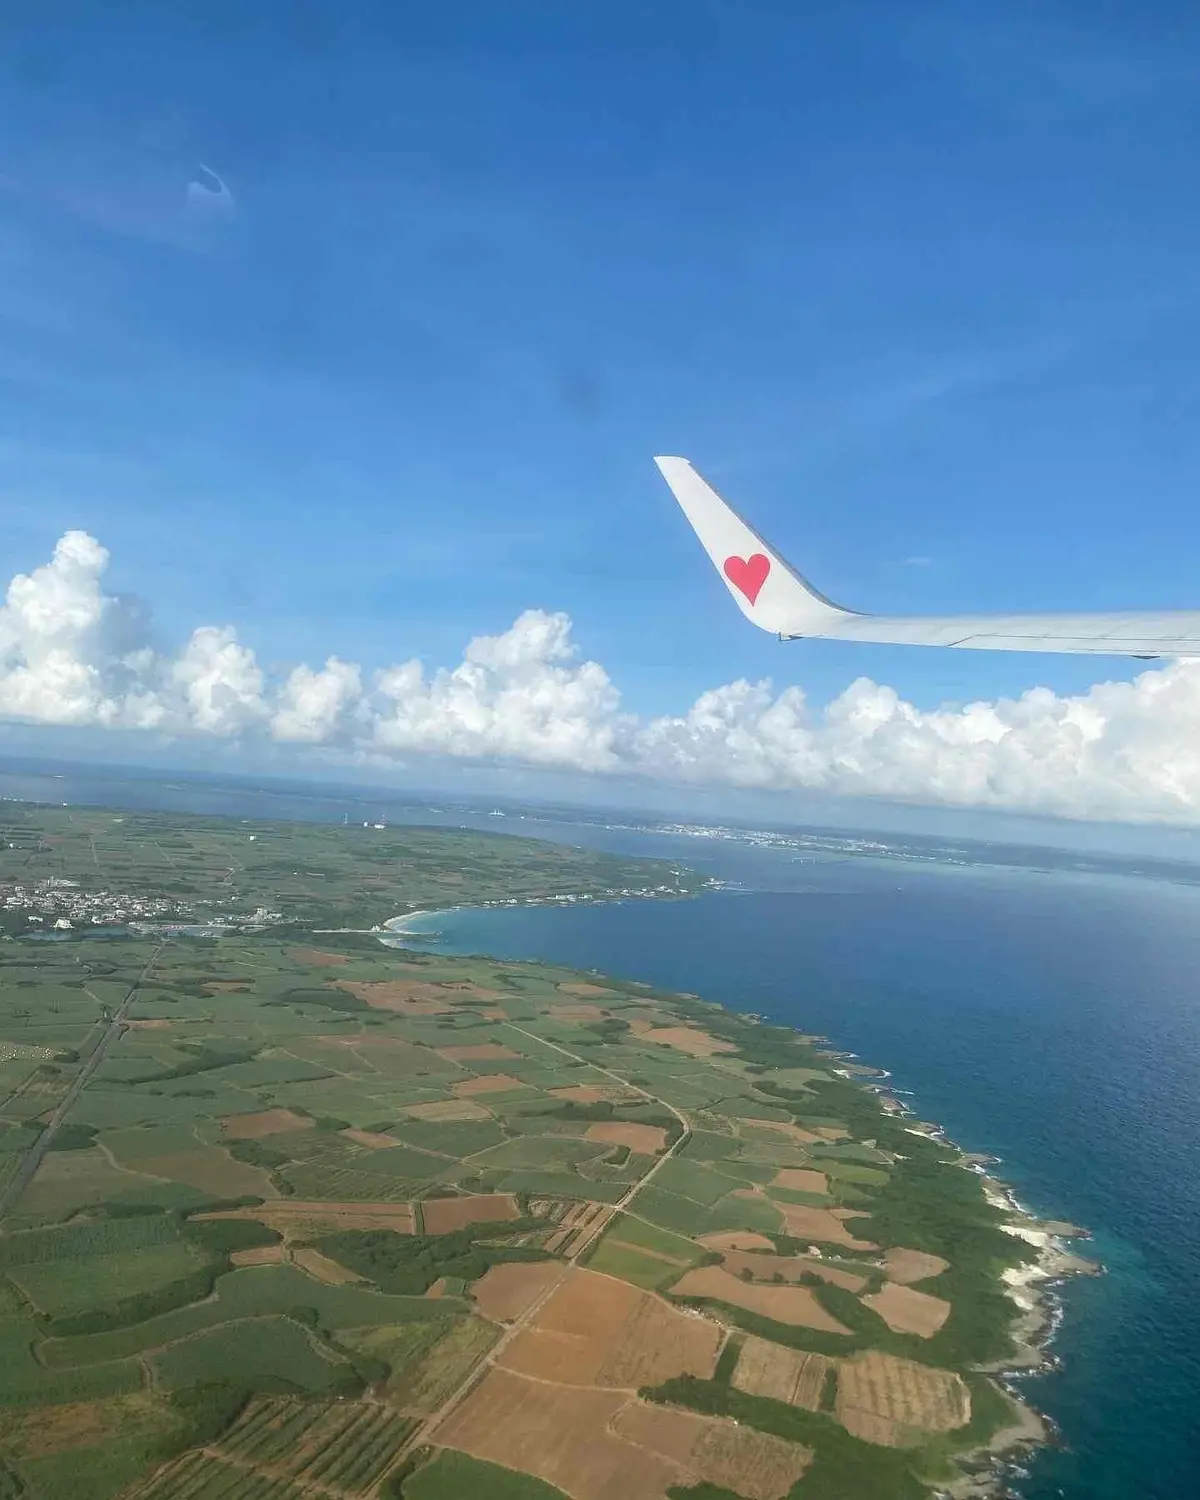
<point>1050,1019</point>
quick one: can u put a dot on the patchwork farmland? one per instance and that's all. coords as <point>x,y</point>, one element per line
<point>313,1217</point>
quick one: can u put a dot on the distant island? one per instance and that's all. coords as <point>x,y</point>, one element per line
<point>286,1213</point>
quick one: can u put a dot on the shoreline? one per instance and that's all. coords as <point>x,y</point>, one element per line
<point>398,925</point>
<point>1038,1310</point>
<point>393,932</point>
<point>1038,1314</point>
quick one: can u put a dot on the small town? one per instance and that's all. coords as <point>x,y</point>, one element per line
<point>59,904</point>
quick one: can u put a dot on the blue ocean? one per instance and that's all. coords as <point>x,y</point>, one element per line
<point>1043,1013</point>
<point>1052,1019</point>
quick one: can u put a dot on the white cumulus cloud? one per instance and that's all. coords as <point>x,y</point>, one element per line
<point>220,682</point>
<point>72,653</point>
<point>522,696</point>
<point>316,707</point>
<point>1126,750</point>
<point>62,640</point>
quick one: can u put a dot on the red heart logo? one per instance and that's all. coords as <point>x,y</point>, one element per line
<point>748,574</point>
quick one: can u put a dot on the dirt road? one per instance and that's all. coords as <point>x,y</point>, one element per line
<point>33,1157</point>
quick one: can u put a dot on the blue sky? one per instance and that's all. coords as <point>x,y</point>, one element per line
<point>913,283</point>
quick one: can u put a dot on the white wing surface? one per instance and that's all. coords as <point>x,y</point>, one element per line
<point>775,597</point>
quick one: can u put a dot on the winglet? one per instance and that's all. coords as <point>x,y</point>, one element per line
<point>768,592</point>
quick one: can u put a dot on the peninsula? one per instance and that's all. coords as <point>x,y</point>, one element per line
<point>293,1215</point>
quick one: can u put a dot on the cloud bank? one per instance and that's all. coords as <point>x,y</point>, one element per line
<point>73,654</point>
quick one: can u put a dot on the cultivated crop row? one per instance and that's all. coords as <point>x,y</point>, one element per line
<point>342,1444</point>
<point>197,1476</point>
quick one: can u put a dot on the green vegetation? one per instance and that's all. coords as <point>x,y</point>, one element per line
<point>688,1218</point>
<point>223,1236</point>
<point>26,1382</point>
<point>247,1293</point>
<point>451,1476</point>
<point>701,1491</point>
<point>314,875</point>
<point>205,1411</point>
<point>540,1151</point>
<point>727,1362</point>
<point>690,1180</point>
<point>73,1138</point>
<point>632,1265</point>
<point>409,1264</point>
<point>634,1231</point>
<point>255,1154</point>
<point>643,1254</point>
<point>269,1354</point>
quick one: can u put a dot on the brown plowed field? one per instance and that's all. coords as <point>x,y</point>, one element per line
<point>324,1269</point>
<point>801,1180</point>
<point>754,1464</point>
<point>905,1310</point>
<point>486,1083</point>
<point>791,1375</point>
<point>646,1140</point>
<point>907,1266</point>
<point>721,1452</point>
<point>481,1052</point>
<point>665,1430</point>
<point>593,1093</point>
<point>263,1122</point>
<point>735,1239</point>
<point>442,1215</point>
<point>507,1290</point>
<point>560,1434</point>
<point>791,1268</point>
<point>795,1305</point>
<point>819,1224</point>
<point>408,997</point>
<point>371,1140</point>
<point>317,957</point>
<point>896,1402</point>
<point>259,1255</point>
<point>296,1216</point>
<point>595,1330</point>
<point>687,1039</point>
<point>447,1109</point>
<point>750,1129</point>
<point>658,1342</point>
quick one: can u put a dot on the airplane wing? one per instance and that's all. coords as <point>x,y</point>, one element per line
<point>775,597</point>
